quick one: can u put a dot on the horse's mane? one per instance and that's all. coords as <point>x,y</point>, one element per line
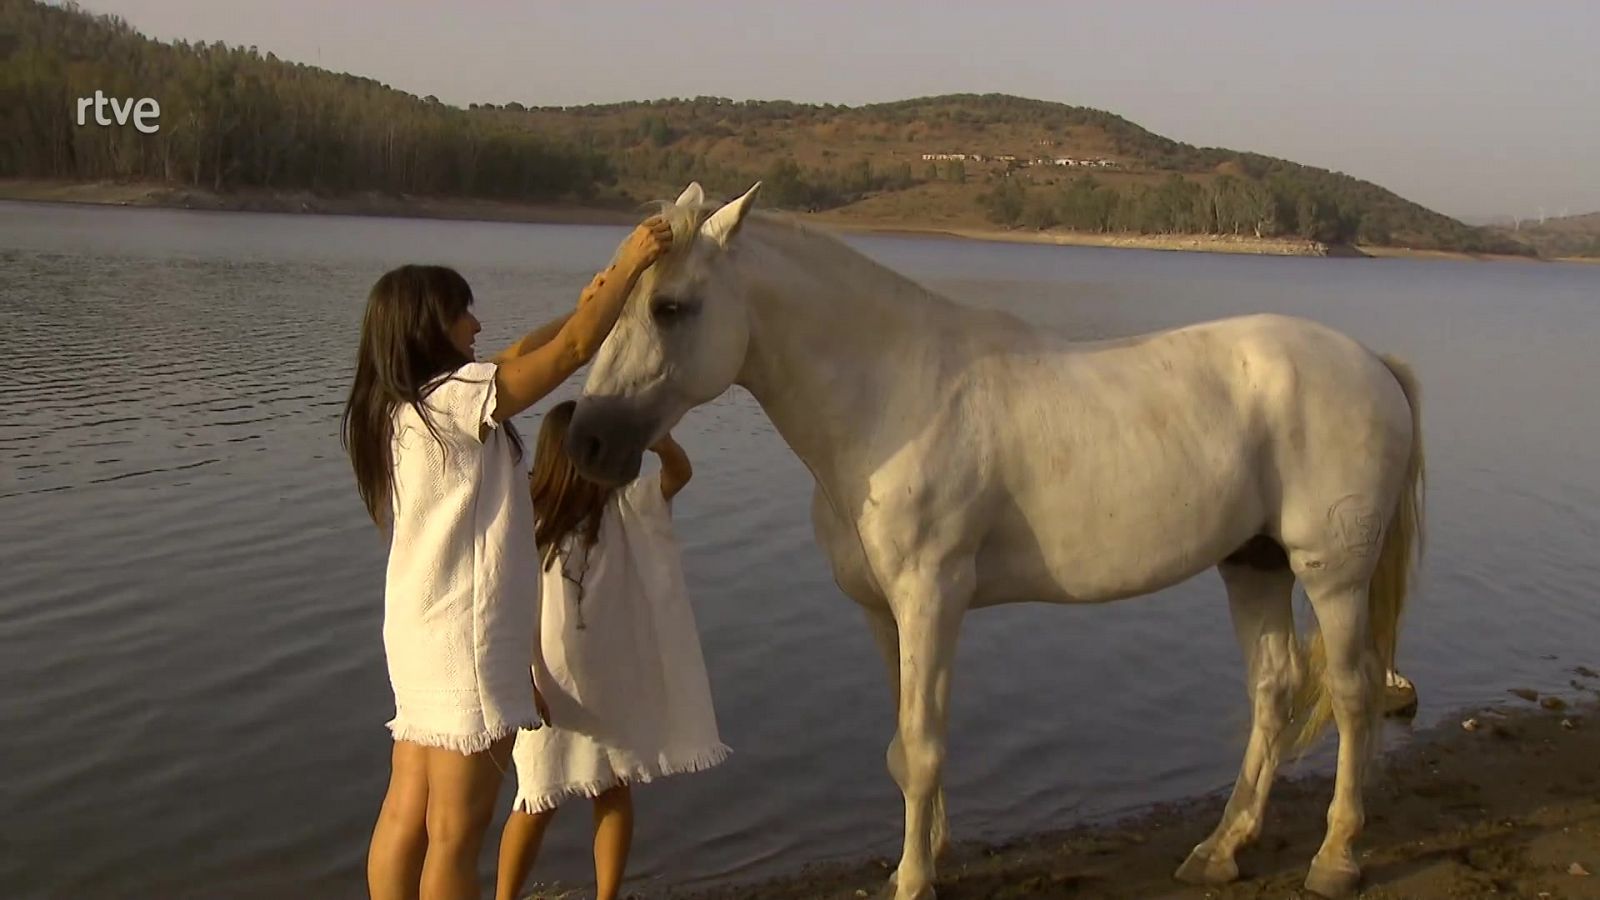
<point>820,250</point>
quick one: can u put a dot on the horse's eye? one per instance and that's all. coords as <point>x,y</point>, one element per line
<point>667,309</point>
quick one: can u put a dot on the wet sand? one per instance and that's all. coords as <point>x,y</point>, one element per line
<point>1510,808</point>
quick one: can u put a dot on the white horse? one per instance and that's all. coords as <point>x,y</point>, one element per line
<point>964,458</point>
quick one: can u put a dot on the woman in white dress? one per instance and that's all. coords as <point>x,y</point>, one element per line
<point>621,667</point>
<point>439,467</point>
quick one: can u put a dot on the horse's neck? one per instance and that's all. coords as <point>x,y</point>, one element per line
<point>840,352</point>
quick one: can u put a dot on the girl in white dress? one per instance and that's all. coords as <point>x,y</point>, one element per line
<point>439,468</point>
<point>621,667</point>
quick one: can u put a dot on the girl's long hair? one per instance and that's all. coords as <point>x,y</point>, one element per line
<point>405,350</point>
<point>564,502</point>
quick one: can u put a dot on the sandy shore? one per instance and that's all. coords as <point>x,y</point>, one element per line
<point>1205,243</point>
<point>407,206</point>
<point>1228,243</point>
<point>1508,809</point>
<point>1409,253</point>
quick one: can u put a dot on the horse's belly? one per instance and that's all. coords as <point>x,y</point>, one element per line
<point>1138,549</point>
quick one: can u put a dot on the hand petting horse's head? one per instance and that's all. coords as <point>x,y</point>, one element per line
<point>680,342</point>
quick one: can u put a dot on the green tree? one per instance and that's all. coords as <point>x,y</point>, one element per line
<point>1006,202</point>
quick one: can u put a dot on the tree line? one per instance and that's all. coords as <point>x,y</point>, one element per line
<point>232,117</point>
<point>1178,205</point>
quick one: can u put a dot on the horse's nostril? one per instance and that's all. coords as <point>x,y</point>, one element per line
<point>592,448</point>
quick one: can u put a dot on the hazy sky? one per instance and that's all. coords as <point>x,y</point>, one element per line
<point>1473,108</point>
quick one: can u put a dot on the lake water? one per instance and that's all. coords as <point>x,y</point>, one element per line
<point>194,690</point>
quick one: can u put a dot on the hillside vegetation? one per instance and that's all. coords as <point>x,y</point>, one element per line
<point>1569,236</point>
<point>233,118</point>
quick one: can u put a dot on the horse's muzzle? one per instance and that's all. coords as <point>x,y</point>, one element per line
<point>607,440</point>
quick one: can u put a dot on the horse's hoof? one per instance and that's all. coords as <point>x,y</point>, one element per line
<point>1331,881</point>
<point>1203,868</point>
<point>1399,696</point>
<point>892,889</point>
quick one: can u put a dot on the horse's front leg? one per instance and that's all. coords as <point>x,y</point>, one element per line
<point>928,604</point>
<point>887,636</point>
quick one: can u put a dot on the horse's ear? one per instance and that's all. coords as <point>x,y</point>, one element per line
<point>693,195</point>
<point>725,222</point>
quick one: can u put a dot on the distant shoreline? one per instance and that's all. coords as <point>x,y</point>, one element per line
<point>161,196</point>
<point>143,194</point>
<point>1202,243</point>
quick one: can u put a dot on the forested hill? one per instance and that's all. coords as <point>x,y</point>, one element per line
<point>1569,236</point>
<point>234,118</point>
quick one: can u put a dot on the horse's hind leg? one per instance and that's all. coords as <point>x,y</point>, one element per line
<point>1353,676</point>
<point>1259,596</point>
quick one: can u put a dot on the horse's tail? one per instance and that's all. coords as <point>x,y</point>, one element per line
<point>1391,581</point>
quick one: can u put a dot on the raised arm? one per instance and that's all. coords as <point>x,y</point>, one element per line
<point>534,339</point>
<point>525,379</point>
<point>675,468</point>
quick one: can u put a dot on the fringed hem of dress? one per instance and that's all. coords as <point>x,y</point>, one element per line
<point>643,775</point>
<point>465,744</point>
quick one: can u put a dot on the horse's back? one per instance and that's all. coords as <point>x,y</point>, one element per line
<point>1295,394</point>
<point>1270,366</point>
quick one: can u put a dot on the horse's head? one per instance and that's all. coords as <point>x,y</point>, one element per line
<point>680,342</point>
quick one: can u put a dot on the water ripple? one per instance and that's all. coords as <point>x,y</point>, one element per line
<point>195,614</point>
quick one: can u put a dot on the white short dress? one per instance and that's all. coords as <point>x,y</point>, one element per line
<point>621,668</point>
<point>460,624</point>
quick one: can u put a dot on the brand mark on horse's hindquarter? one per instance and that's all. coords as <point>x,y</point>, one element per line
<point>1358,524</point>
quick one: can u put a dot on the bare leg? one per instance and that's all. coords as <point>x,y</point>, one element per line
<point>461,795</point>
<point>1263,618</point>
<point>519,847</point>
<point>400,838</point>
<point>613,835</point>
<point>1353,678</point>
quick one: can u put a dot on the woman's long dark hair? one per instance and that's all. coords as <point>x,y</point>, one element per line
<point>564,502</point>
<point>405,348</point>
